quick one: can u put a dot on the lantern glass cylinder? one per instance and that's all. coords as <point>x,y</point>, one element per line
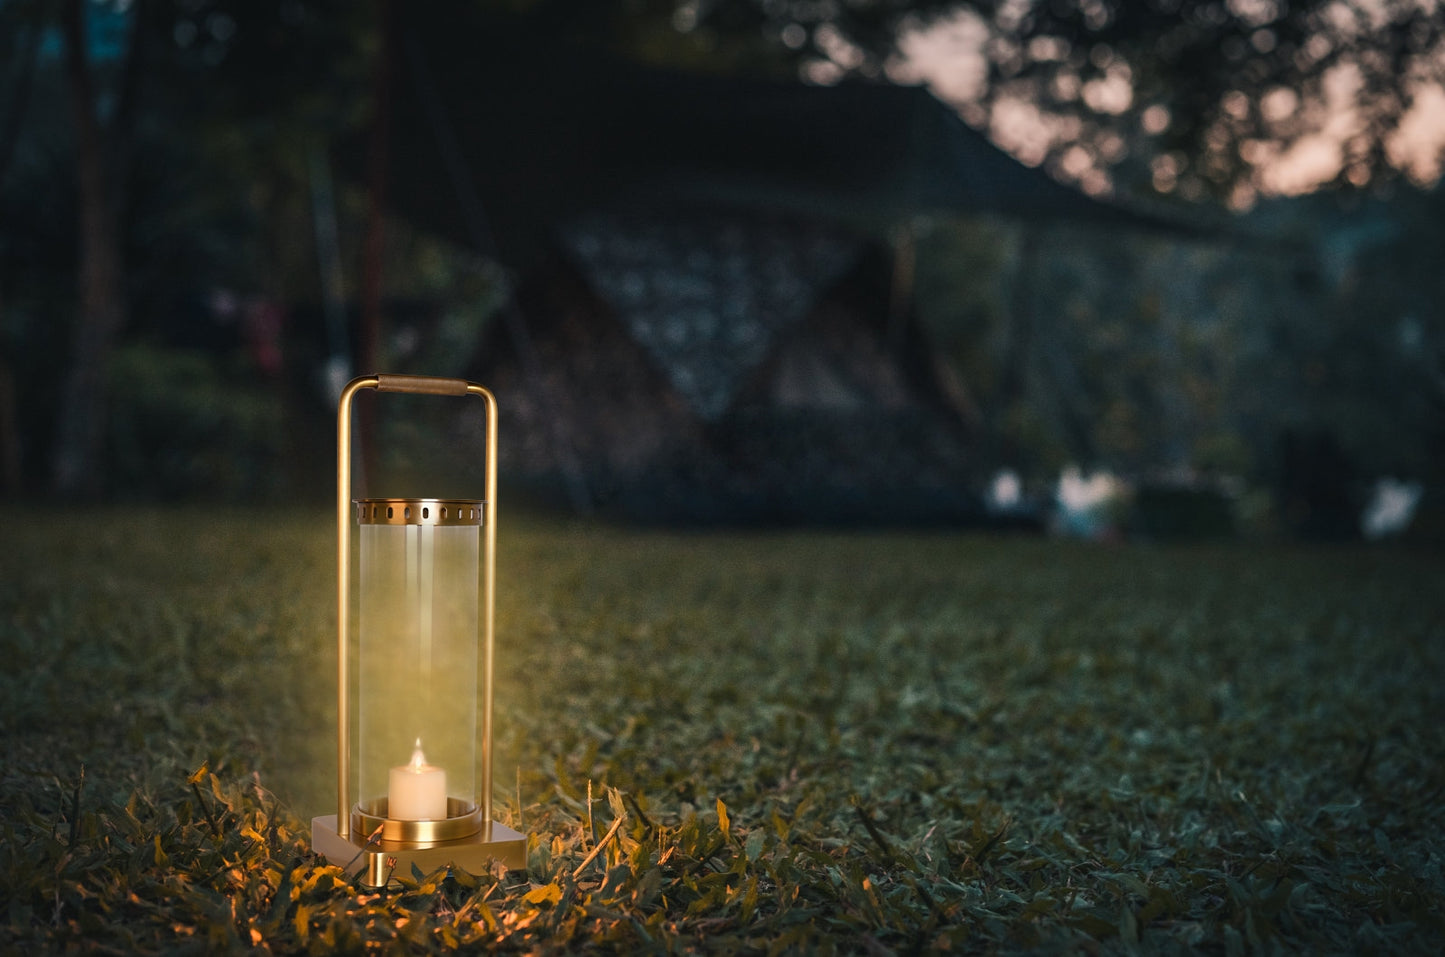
<point>417,658</point>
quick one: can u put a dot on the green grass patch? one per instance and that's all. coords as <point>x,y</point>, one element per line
<point>763,742</point>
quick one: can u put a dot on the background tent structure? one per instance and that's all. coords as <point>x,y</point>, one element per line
<point>704,329</point>
<point>711,366</point>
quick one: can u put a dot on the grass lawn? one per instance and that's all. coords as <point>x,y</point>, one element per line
<point>791,741</point>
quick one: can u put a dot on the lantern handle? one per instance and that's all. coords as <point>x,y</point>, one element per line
<point>422,385</point>
<point>415,385</point>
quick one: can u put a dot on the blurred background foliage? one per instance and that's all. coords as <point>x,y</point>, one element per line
<point>1163,351</point>
<point>1309,339</point>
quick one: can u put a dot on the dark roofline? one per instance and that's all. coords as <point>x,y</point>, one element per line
<point>540,145</point>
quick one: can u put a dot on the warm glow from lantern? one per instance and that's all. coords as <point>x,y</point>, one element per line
<point>417,661</point>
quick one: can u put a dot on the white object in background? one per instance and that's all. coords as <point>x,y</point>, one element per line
<point>1006,492</point>
<point>1392,506</point>
<point>1084,503</point>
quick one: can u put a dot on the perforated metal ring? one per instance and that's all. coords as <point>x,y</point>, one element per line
<point>419,511</point>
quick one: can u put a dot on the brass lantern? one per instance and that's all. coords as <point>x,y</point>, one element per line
<point>414,783</point>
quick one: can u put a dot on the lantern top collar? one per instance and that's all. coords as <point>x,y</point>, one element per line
<point>420,511</point>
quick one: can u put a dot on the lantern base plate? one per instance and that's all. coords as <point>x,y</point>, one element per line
<point>377,862</point>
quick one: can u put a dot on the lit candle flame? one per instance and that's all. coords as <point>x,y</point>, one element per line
<point>418,760</point>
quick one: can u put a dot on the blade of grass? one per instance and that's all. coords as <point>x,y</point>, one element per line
<point>611,833</point>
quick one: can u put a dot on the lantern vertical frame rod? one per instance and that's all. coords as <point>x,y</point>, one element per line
<point>489,590</point>
<point>343,600</point>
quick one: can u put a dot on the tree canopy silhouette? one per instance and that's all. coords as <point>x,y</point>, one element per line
<point>1197,97</point>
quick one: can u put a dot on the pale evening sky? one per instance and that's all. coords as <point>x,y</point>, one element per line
<point>950,58</point>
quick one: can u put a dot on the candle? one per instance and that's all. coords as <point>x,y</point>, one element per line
<point>418,790</point>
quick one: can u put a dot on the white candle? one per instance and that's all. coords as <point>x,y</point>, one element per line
<point>418,790</point>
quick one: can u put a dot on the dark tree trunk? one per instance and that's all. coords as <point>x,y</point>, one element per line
<point>373,255</point>
<point>101,311</point>
<point>14,119</point>
<point>10,468</point>
<point>1012,389</point>
<point>14,116</point>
